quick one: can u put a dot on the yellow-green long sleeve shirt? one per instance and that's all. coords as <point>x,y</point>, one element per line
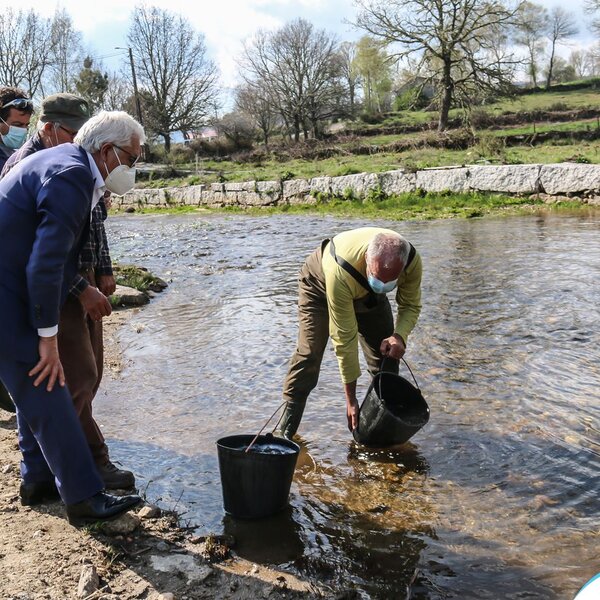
<point>342,289</point>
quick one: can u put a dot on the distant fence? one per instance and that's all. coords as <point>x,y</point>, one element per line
<point>563,179</point>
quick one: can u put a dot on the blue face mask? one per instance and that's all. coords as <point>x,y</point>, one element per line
<point>379,287</point>
<point>15,137</point>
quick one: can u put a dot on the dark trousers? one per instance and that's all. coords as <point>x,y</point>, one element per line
<point>374,325</point>
<point>81,350</point>
<point>50,437</point>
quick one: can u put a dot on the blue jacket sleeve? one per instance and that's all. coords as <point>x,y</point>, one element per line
<point>63,204</point>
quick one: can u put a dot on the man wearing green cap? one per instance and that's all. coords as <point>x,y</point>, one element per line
<point>80,339</point>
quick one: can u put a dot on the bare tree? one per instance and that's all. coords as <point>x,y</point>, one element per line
<point>582,63</point>
<point>347,56</point>
<point>298,67</point>
<point>592,7</point>
<point>451,38</point>
<point>24,49</point>
<point>174,71</point>
<point>560,28</point>
<point>238,128</point>
<point>117,93</point>
<point>66,54</point>
<point>532,24</point>
<point>252,100</point>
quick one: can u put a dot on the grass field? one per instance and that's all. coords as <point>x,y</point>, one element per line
<point>488,148</point>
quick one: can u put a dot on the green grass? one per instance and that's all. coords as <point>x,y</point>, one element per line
<point>410,206</point>
<point>485,151</point>
<point>420,158</point>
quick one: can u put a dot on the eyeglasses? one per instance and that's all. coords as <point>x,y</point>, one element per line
<point>132,157</point>
<point>71,133</point>
<point>19,104</point>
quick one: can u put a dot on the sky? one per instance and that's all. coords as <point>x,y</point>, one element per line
<point>226,23</point>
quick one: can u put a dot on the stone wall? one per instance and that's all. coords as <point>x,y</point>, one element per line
<point>564,179</point>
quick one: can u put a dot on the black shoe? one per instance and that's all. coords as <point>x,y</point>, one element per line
<point>38,492</point>
<point>100,507</point>
<point>115,478</point>
<point>6,402</point>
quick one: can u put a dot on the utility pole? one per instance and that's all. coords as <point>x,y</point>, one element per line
<point>136,95</point>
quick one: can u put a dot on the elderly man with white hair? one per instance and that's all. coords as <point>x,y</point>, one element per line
<point>45,205</point>
<point>80,337</point>
<point>342,295</point>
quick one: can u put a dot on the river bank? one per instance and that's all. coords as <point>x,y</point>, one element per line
<point>43,557</point>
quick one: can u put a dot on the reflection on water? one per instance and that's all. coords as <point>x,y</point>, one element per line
<point>496,497</point>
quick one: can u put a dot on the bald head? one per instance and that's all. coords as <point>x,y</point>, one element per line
<point>386,256</point>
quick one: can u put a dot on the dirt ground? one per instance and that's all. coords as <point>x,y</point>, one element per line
<point>142,555</point>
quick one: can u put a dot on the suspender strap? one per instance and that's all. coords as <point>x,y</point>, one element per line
<point>411,255</point>
<point>349,268</point>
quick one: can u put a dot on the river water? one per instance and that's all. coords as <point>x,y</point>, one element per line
<point>497,497</point>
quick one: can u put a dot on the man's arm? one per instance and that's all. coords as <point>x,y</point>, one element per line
<point>62,205</point>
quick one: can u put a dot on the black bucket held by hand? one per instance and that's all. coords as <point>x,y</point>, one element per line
<point>392,412</point>
<point>256,483</point>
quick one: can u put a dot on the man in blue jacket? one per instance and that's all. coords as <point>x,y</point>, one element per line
<point>80,339</point>
<point>45,204</point>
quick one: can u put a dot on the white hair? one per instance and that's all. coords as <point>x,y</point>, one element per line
<point>386,248</point>
<point>109,127</point>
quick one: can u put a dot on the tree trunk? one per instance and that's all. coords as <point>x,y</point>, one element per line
<point>550,67</point>
<point>296,128</point>
<point>448,86</point>
<point>532,66</point>
<point>167,139</point>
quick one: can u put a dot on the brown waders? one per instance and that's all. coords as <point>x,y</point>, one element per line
<point>374,325</point>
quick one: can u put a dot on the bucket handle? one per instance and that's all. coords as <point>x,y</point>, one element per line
<point>409,369</point>
<point>262,428</point>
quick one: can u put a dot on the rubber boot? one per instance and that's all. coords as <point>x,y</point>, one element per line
<point>292,416</point>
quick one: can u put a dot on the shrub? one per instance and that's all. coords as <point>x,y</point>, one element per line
<point>413,99</point>
<point>371,118</point>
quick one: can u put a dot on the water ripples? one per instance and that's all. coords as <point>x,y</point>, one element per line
<point>492,499</point>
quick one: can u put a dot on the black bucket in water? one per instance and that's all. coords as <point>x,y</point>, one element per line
<point>257,483</point>
<point>391,413</point>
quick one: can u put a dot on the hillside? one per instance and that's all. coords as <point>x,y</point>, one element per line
<point>538,127</point>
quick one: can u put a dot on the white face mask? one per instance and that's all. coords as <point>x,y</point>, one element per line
<point>120,180</point>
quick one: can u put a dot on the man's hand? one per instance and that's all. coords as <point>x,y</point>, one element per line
<point>49,364</point>
<point>106,284</point>
<point>95,303</point>
<point>352,409</point>
<point>394,347</point>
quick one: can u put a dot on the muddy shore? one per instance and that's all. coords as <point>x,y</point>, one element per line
<point>150,555</point>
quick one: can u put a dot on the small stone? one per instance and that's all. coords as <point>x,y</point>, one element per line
<point>39,533</point>
<point>149,512</point>
<point>88,581</point>
<point>162,546</point>
<point>166,596</point>
<point>6,469</point>
<point>123,525</point>
<point>254,569</point>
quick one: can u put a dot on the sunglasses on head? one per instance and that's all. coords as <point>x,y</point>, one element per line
<point>19,104</point>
